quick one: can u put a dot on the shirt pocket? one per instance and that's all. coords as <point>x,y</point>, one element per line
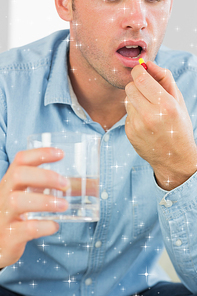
<point>144,203</point>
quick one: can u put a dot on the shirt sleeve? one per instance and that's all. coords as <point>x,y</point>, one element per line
<point>177,211</point>
<point>4,163</point>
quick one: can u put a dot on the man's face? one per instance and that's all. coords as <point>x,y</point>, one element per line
<point>111,35</point>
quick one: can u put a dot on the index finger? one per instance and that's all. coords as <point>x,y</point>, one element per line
<point>152,89</point>
<point>38,156</point>
<point>164,77</point>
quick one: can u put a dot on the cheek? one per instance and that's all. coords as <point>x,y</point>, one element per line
<point>158,21</point>
<point>163,17</point>
<point>96,17</point>
<point>93,31</point>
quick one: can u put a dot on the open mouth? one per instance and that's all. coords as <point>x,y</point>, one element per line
<point>130,51</point>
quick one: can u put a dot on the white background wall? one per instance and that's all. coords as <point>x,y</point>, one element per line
<point>182,28</point>
<point>31,20</point>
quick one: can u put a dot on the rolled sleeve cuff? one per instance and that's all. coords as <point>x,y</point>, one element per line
<point>178,200</point>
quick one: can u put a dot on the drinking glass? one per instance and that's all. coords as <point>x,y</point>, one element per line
<point>81,167</point>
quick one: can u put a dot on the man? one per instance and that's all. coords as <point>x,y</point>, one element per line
<point>91,81</point>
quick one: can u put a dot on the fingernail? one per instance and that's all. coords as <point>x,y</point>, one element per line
<point>58,152</point>
<point>62,203</point>
<point>63,182</point>
<point>57,226</point>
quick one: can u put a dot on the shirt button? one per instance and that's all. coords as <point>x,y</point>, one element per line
<point>178,243</point>
<point>88,282</point>
<point>98,244</point>
<point>106,138</point>
<point>104,195</point>
<point>168,203</point>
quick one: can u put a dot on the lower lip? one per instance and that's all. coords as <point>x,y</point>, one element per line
<point>130,62</point>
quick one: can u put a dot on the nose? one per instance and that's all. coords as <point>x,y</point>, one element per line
<point>134,15</point>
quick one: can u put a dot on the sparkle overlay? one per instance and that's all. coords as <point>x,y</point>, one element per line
<point>116,168</point>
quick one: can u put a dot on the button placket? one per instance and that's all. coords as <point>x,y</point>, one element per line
<point>106,138</point>
<point>96,259</point>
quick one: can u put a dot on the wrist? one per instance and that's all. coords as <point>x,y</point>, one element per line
<point>169,179</point>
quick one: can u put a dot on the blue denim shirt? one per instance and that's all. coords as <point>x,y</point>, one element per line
<point>117,255</point>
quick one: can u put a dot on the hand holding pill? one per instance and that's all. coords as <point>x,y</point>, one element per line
<point>158,125</point>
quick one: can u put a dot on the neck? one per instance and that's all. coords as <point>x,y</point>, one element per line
<point>103,102</point>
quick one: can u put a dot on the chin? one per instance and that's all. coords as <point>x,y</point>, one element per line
<point>120,84</point>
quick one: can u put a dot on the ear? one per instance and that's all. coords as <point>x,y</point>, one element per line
<point>64,9</point>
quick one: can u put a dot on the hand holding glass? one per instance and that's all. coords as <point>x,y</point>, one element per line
<point>80,166</point>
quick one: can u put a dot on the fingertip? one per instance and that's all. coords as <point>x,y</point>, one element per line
<point>59,153</point>
<point>51,227</point>
<point>62,204</point>
<point>154,70</point>
<point>149,63</point>
<point>57,226</point>
<point>153,66</point>
<point>137,67</point>
<point>137,71</point>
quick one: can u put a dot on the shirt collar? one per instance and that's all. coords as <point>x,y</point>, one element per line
<point>75,104</point>
<point>57,90</point>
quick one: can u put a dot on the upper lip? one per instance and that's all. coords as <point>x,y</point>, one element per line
<point>140,43</point>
